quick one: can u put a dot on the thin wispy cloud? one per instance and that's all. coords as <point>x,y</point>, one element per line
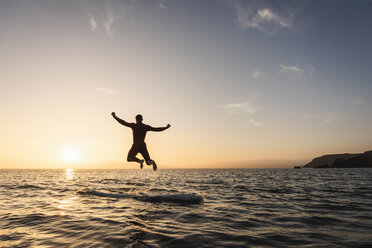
<point>104,17</point>
<point>161,6</point>
<point>108,23</point>
<point>257,74</point>
<point>291,70</point>
<point>357,101</point>
<point>105,90</point>
<point>255,123</point>
<point>242,107</point>
<point>330,117</point>
<point>295,71</point>
<point>92,23</point>
<point>310,69</point>
<point>323,117</point>
<point>264,19</point>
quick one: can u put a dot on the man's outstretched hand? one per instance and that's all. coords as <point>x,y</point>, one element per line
<point>113,114</point>
<point>168,126</point>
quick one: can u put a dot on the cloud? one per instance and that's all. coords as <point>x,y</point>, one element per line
<point>255,123</point>
<point>330,117</point>
<point>92,23</point>
<point>162,6</point>
<point>109,21</point>
<point>264,19</point>
<point>104,16</point>
<point>105,90</point>
<point>357,101</point>
<point>310,70</point>
<point>267,15</point>
<point>244,107</point>
<point>324,117</point>
<point>288,69</point>
<point>257,74</point>
<point>296,71</point>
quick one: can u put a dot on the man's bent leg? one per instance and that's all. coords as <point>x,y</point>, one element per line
<point>154,166</point>
<point>134,159</point>
<point>145,154</point>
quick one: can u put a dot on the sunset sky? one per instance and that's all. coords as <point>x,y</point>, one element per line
<point>243,83</point>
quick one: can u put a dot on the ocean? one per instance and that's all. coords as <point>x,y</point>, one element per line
<point>186,208</point>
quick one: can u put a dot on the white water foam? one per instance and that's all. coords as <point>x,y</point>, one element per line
<point>175,198</point>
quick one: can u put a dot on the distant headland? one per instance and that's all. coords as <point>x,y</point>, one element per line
<point>345,160</point>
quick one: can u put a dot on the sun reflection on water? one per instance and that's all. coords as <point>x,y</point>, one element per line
<point>65,205</point>
<point>69,173</point>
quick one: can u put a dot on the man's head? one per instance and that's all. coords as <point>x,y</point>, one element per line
<point>139,118</point>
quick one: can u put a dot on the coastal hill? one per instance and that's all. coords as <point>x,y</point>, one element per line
<point>346,160</point>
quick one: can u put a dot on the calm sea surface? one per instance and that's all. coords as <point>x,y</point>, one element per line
<point>186,208</point>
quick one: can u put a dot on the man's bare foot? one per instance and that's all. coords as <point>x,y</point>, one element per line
<point>141,166</point>
<point>154,166</point>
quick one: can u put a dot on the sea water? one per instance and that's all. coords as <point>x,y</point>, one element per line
<point>186,208</point>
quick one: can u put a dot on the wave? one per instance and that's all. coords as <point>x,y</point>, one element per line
<point>212,181</point>
<point>26,186</point>
<point>174,198</point>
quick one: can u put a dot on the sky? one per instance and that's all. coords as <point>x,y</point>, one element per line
<point>243,83</point>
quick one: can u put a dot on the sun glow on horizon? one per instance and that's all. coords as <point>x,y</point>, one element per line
<point>71,155</point>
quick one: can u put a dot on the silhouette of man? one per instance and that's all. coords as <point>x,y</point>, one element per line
<point>139,146</point>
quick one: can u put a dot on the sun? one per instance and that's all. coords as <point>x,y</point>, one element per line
<point>71,154</point>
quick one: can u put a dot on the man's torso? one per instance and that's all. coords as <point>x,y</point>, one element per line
<point>139,132</point>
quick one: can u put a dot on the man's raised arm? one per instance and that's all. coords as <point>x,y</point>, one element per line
<point>158,129</point>
<point>122,122</point>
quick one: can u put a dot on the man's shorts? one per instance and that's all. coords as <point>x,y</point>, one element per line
<point>139,148</point>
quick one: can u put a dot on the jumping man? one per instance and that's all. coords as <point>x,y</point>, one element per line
<point>139,146</point>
